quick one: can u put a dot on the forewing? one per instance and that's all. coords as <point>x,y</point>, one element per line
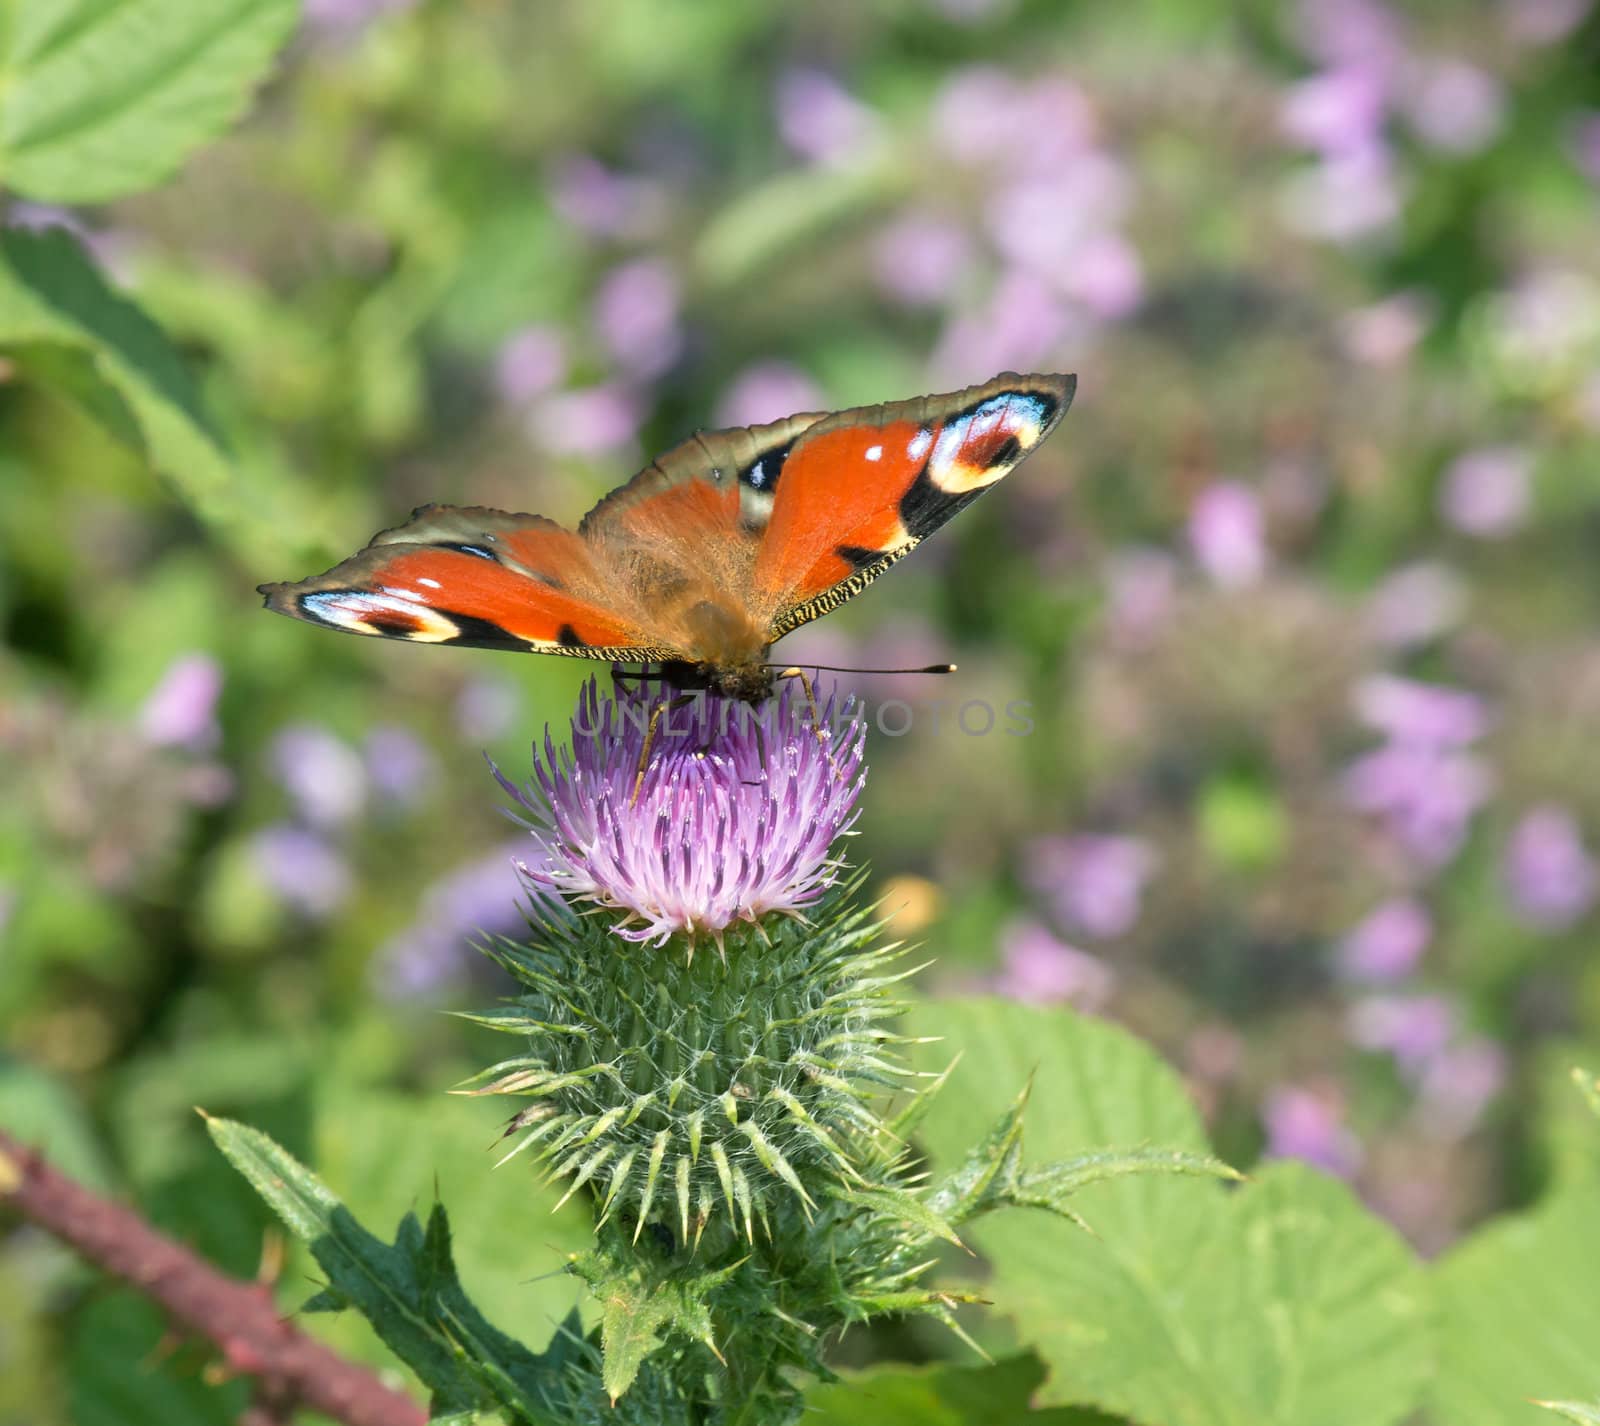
<point>481,578</point>
<point>861,489</point>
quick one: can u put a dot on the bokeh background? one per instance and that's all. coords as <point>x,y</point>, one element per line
<point>1302,596</point>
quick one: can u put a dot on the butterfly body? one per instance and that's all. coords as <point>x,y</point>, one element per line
<point>706,557</point>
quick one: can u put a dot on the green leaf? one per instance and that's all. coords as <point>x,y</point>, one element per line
<point>1159,1315</point>
<point>96,348</point>
<point>99,98</point>
<point>1520,1315</point>
<point>997,1395</point>
<point>1573,1411</point>
<point>39,1111</point>
<point>408,1290</point>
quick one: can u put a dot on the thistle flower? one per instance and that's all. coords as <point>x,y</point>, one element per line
<point>733,819</point>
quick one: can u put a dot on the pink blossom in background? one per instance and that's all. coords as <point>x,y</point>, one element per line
<point>1454,106</point>
<point>1430,714</point>
<point>1094,884</point>
<point>1227,534</point>
<point>1488,492</point>
<point>603,203</point>
<point>1042,221</point>
<point>1458,1084</point>
<point>1307,1125</point>
<point>768,391</point>
<point>322,774</point>
<point>1426,796</point>
<point>1362,33</point>
<point>1023,326</point>
<point>1542,22</point>
<point>985,116</point>
<point>181,710</point>
<point>1105,276</point>
<point>400,768</point>
<point>820,120</point>
<point>592,421</point>
<point>334,15</point>
<point>1585,146</point>
<point>1414,1029</point>
<point>921,258</point>
<point>1388,944</point>
<point>636,317</point>
<point>487,708</point>
<point>302,868</point>
<point>1549,875</point>
<point>1039,969</point>
<point>483,898</point>
<point>1141,593</point>
<point>1345,198</point>
<point>1385,333</point>
<point>530,362</point>
<point>1416,604</point>
<point>1336,112</point>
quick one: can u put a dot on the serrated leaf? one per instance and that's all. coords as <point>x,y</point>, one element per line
<point>1520,1315</point>
<point>408,1290</point>
<point>1573,1411</point>
<point>54,302</point>
<point>1159,1315</point>
<point>901,1207</point>
<point>99,98</point>
<point>997,1395</point>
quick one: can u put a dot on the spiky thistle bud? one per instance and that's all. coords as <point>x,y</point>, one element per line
<point>697,1049</point>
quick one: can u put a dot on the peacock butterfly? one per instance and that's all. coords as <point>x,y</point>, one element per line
<point>707,556</point>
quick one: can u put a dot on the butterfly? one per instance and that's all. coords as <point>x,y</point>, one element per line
<point>705,558</point>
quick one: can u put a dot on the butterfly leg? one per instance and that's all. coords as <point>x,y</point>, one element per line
<point>661,710</point>
<point>816,713</point>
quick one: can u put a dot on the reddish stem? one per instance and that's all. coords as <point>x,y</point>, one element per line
<point>239,1317</point>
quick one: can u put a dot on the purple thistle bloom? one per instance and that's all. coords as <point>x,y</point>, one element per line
<point>735,818</point>
<point>181,711</point>
<point>1426,796</point>
<point>1388,944</point>
<point>1550,876</point>
<point>1337,112</point>
<point>1093,883</point>
<point>636,317</point>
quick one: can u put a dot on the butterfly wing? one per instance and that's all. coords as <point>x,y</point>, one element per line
<point>861,489</point>
<point>481,578</point>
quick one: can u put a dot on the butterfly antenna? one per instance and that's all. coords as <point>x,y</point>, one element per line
<point>836,668</point>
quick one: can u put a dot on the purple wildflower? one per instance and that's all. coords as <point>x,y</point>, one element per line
<point>1346,198</point>
<point>1387,945</point>
<point>181,711</point>
<point>1455,106</point>
<point>768,391</point>
<point>1383,334</point>
<point>636,316</point>
<point>735,818</point>
<point>1093,883</point>
<point>1337,112</point>
<point>1304,1124</point>
<point>1426,796</point>
<point>302,868</point>
<point>333,15</point>
<point>1040,969</point>
<point>531,361</point>
<point>1487,492</point>
<point>1415,604</point>
<point>1425,714</point>
<point>603,203</point>
<point>920,258</point>
<point>1360,33</point>
<point>819,119</point>
<point>398,765</point>
<point>1550,876</point>
<point>487,708</point>
<point>1141,594</point>
<point>594,421</point>
<point>1542,22</point>
<point>480,898</point>
<point>1459,1084</point>
<point>321,773</point>
<point>1227,536</point>
<point>1413,1028</point>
